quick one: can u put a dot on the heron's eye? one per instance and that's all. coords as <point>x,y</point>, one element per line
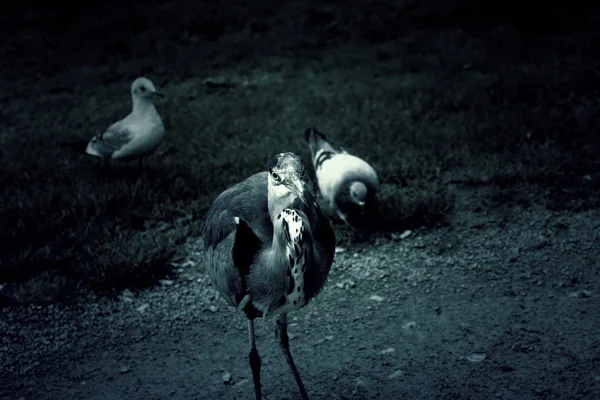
<point>275,176</point>
<point>303,173</point>
<point>142,88</point>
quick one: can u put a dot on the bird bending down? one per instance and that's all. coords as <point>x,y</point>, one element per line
<point>268,250</point>
<point>348,183</point>
<point>136,135</point>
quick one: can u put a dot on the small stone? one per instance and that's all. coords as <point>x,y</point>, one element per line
<point>376,297</point>
<point>581,293</point>
<point>405,234</point>
<point>339,250</point>
<point>476,357</point>
<point>143,307</point>
<point>213,308</point>
<point>126,299</point>
<point>388,350</point>
<point>188,263</point>
<point>409,325</point>
<point>125,369</point>
<point>330,337</point>
<point>226,378</point>
<point>394,374</point>
<point>166,282</point>
<point>241,383</point>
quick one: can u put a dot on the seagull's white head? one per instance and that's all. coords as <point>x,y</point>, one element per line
<point>143,89</point>
<point>286,181</point>
<point>358,193</point>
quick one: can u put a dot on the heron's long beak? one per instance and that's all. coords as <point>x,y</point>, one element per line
<point>158,94</point>
<point>297,188</point>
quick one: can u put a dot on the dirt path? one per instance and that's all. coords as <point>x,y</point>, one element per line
<point>503,305</point>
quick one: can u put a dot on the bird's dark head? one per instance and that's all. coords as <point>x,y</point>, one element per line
<point>287,177</point>
<point>358,193</point>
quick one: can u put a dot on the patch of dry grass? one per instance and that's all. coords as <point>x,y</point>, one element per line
<point>434,106</point>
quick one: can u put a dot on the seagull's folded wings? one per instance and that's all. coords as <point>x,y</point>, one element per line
<point>114,138</point>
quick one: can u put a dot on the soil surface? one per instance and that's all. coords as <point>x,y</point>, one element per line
<point>497,304</point>
<point>500,304</point>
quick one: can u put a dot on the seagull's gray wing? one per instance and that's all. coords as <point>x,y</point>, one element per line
<point>104,145</point>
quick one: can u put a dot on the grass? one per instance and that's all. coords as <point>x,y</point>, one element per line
<point>437,103</point>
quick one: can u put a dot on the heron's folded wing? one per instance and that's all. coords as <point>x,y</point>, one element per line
<point>226,244</point>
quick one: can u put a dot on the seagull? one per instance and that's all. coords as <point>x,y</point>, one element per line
<point>268,250</point>
<point>348,183</point>
<point>136,135</point>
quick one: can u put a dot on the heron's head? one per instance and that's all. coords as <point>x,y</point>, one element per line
<point>358,193</point>
<point>143,89</point>
<point>287,175</point>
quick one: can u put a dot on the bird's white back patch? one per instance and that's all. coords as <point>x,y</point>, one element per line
<point>321,157</point>
<point>334,170</point>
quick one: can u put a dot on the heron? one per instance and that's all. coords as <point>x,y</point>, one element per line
<point>347,183</point>
<point>268,250</point>
<point>135,136</point>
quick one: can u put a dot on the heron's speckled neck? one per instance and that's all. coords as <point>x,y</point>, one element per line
<point>277,203</point>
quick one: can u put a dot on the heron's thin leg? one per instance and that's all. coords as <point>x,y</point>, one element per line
<point>284,343</point>
<point>254,360</point>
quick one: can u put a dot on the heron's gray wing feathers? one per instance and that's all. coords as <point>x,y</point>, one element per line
<point>116,136</point>
<point>246,246</point>
<point>324,237</point>
<point>244,200</point>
